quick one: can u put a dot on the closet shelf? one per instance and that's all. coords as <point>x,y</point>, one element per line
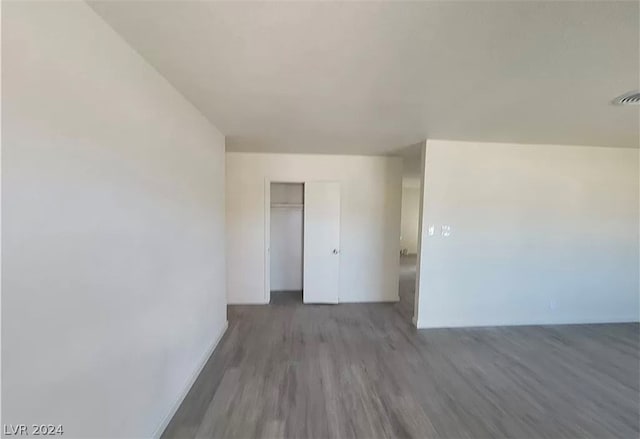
<point>286,205</point>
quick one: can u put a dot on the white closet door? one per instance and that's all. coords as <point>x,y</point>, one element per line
<point>321,241</point>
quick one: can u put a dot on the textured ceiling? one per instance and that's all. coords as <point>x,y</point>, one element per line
<point>372,78</point>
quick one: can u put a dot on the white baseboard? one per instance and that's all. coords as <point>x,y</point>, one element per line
<point>539,322</point>
<point>385,300</point>
<point>248,303</point>
<point>192,379</point>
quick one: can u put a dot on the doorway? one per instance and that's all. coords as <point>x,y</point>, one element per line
<point>302,234</point>
<point>287,243</point>
<point>409,243</point>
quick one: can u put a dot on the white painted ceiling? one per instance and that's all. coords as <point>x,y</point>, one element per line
<point>372,78</point>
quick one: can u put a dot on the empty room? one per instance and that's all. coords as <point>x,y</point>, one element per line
<point>320,219</point>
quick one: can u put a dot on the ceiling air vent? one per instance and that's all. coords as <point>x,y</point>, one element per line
<point>631,98</point>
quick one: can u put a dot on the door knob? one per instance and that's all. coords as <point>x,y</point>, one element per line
<point>335,251</point>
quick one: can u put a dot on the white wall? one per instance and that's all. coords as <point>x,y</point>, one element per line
<point>539,234</point>
<point>410,211</point>
<point>113,241</point>
<point>286,236</point>
<point>370,220</point>
<point>286,249</point>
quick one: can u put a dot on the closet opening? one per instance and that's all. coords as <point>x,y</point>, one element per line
<point>286,243</point>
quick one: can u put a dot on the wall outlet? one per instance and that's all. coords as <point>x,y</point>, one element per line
<point>552,305</point>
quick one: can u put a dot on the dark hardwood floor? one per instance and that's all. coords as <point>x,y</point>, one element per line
<point>362,370</point>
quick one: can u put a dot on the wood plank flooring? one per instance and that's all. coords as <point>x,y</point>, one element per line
<point>362,370</point>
